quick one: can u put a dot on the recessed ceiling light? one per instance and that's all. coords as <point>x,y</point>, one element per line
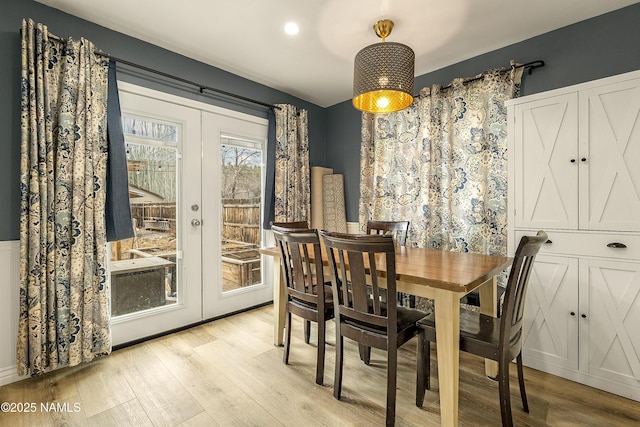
<point>291,28</point>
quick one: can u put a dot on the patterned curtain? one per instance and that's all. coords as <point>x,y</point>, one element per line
<point>64,304</point>
<point>292,172</point>
<point>441,164</point>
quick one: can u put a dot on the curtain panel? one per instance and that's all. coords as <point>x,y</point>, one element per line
<point>64,298</point>
<point>441,164</point>
<point>119,223</point>
<point>292,187</point>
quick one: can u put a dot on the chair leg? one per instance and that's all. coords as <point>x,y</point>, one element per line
<point>337,382</point>
<point>365,353</point>
<point>523,393</point>
<point>307,331</point>
<point>423,369</point>
<point>392,374</point>
<point>287,338</point>
<point>505,396</point>
<point>320,361</point>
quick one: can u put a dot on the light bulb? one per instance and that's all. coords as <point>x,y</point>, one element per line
<point>382,102</point>
<point>291,28</point>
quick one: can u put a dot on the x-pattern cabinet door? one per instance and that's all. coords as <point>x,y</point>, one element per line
<point>610,303</point>
<point>545,156</point>
<point>609,157</point>
<point>551,321</point>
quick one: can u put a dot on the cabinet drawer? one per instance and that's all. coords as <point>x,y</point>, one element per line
<point>589,244</point>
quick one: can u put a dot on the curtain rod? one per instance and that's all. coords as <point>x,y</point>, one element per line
<point>201,87</point>
<point>529,65</point>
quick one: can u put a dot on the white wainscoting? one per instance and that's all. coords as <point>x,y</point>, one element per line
<point>353,228</point>
<point>9,283</point>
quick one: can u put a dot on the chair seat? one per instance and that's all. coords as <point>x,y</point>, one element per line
<point>479,333</point>
<point>328,300</point>
<point>407,319</point>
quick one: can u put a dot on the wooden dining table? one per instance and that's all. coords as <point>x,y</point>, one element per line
<point>445,277</point>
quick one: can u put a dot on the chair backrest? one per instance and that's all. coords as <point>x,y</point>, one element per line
<point>353,259</point>
<point>290,225</point>
<point>301,260</point>
<point>514,301</point>
<point>398,229</point>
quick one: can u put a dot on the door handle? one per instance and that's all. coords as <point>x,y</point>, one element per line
<point>195,222</point>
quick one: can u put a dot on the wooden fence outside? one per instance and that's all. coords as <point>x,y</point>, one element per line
<point>155,216</point>
<point>240,218</point>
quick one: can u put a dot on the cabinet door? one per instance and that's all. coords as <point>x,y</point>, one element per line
<point>551,330</point>
<point>609,333</point>
<point>609,156</point>
<point>546,163</point>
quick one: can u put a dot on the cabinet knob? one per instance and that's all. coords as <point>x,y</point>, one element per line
<point>572,160</point>
<point>548,242</point>
<point>573,313</point>
<point>584,316</point>
<point>584,159</point>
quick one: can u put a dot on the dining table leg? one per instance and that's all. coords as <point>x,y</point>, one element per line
<point>489,306</point>
<point>447,312</point>
<point>279,300</point>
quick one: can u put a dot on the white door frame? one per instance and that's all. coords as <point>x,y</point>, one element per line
<point>196,306</point>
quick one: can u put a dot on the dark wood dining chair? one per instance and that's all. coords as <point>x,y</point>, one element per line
<point>307,293</point>
<point>293,226</point>
<point>498,339</point>
<point>399,231</point>
<point>359,312</point>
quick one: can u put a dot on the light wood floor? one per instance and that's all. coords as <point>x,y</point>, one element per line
<point>228,373</point>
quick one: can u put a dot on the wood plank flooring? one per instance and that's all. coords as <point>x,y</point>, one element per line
<point>228,373</point>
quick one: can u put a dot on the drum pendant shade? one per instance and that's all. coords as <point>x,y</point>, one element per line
<point>383,75</point>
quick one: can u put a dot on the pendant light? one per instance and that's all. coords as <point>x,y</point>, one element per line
<point>383,74</point>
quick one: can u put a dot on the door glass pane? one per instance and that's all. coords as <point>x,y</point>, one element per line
<point>241,187</point>
<point>143,269</point>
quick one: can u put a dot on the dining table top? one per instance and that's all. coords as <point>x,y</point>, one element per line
<point>454,271</point>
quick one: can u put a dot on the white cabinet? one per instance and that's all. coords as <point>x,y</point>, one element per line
<point>582,312</point>
<point>574,171</point>
<point>577,157</point>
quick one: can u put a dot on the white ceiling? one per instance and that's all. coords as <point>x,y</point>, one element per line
<point>246,37</point>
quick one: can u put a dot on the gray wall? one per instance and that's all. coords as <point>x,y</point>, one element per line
<point>124,47</point>
<point>592,49</point>
<point>600,47</point>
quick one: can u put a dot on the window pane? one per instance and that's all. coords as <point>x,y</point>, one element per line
<point>145,128</point>
<point>241,187</point>
<point>143,269</point>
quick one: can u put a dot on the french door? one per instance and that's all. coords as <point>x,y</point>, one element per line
<point>233,152</point>
<point>196,190</point>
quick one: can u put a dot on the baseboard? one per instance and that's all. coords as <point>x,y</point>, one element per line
<point>9,375</point>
